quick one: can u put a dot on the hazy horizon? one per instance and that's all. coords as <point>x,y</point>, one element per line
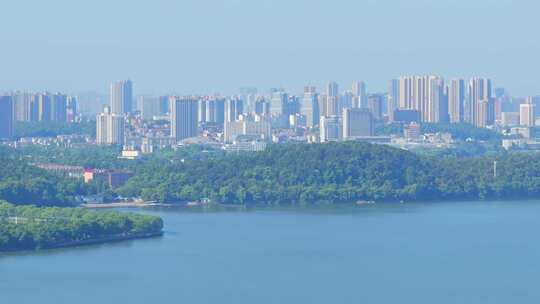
<point>209,46</point>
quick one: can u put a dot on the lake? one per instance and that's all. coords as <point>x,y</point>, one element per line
<point>396,253</point>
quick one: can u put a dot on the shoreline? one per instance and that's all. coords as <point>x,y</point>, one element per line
<point>89,242</point>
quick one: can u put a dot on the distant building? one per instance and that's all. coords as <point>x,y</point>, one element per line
<point>412,131</point>
<point>509,119</point>
<point>121,97</point>
<point>359,95</point>
<point>479,90</point>
<point>393,98</point>
<point>110,128</point>
<point>150,106</point>
<point>330,128</point>
<point>332,89</point>
<point>375,105</point>
<point>6,117</point>
<point>456,100</point>
<point>310,107</point>
<point>526,114</point>
<point>112,178</point>
<point>183,117</point>
<point>357,123</point>
<point>256,126</point>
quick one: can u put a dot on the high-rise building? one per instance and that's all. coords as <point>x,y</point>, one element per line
<point>332,89</point>
<point>485,113</point>
<point>44,107</point>
<point>72,108</point>
<point>58,107</point>
<point>310,106</point>
<point>393,98</point>
<point>330,128</point>
<point>479,89</point>
<point>332,106</point>
<point>121,97</point>
<point>149,106</point>
<point>109,128</point>
<point>359,95</point>
<point>375,105</point>
<point>279,104</point>
<point>357,123</point>
<point>6,117</point>
<point>183,117</point>
<point>234,107</point>
<point>23,104</point>
<point>424,94</point>
<point>526,114</point>
<point>456,100</point>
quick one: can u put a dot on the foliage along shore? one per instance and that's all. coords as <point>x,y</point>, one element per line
<point>33,228</point>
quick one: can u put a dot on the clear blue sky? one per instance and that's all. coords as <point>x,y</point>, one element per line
<point>204,46</point>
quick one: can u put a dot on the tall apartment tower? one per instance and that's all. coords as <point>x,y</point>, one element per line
<point>184,117</point>
<point>310,106</point>
<point>375,105</point>
<point>479,89</point>
<point>332,89</point>
<point>526,114</point>
<point>393,98</point>
<point>357,123</point>
<point>109,128</point>
<point>121,97</point>
<point>424,94</point>
<point>456,100</point>
<point>6,117</point>
<point>359,94</point>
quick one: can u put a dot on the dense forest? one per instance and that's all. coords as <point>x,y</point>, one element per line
<point>334,173</point>
<point>28,228</point>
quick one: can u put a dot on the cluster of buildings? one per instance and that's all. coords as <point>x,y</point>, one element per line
<point>250,120</point>
<point>37,107</point>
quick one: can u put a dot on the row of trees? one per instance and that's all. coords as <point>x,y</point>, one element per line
<point>28,228</point>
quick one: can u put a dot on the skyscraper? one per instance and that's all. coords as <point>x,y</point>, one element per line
<point>456,100</point>
<point>149,106</point>
<point>58,107</point>
<point>121,97</point>
<point>375,105</point>
<point>310,106</point>
<point>109,128</point>
<point>424,94</point>
<point>332,89</point>
<point>359,94</point>
<point>479,89</point>
<point>393,98</point>
<point>23,106</point>
<point>183,117</point>
<point>6,117</point>
<point>357,123</point>
<point>44,107</point>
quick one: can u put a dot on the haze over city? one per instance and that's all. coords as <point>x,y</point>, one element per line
<point>203,47</point>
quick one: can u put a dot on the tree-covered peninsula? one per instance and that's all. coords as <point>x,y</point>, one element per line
<point>337,173</point>
<point>30,228</point>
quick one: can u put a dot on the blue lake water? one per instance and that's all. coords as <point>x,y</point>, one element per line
<point>411,253</point>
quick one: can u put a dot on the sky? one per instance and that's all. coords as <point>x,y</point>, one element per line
<point>211,46</point>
